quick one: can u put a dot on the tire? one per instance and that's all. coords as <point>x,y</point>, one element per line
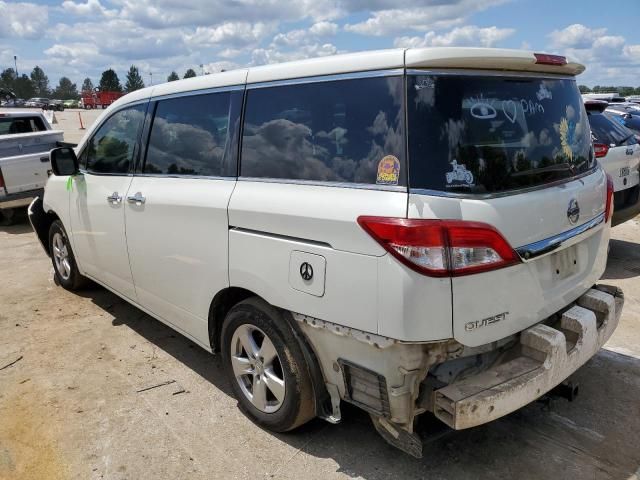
<point>7,217</point>
<point>64,263</point>
<point>275,408</point>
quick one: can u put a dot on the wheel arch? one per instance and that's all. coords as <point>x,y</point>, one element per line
<point>41,221</point>
<point>225,299</point>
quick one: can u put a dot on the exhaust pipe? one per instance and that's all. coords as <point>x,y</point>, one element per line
<point>568,390</point>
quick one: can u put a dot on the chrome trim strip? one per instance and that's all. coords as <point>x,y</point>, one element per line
<point>535,249</point>
<point>507,193</point>
<point>184,177</point>
<point>328,78</point>
<point>278,236</point>
<point>193,93</point>
<point>489,73</point>
<point>317,183</point>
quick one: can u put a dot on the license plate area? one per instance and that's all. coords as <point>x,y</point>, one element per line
<point>565,263</point>
<point>625,171</point>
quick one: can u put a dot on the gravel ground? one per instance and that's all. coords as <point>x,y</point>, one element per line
<point>71,406</point>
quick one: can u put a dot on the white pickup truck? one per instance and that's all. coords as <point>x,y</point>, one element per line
<point>26,137</point>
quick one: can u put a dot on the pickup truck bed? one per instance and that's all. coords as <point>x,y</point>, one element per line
<point>24,162</point>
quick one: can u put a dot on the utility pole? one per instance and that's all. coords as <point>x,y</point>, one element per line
<point>202,68</point>
<point>15,61</point>
<point>151,75</point>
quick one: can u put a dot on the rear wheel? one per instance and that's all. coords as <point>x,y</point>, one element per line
<point>64,263</point>
<point>266,367</point>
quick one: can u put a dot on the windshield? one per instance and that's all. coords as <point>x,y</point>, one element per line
<point>490,134</point>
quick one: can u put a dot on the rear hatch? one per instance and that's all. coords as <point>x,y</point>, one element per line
<point>616,148</point>
<point>512,151</point>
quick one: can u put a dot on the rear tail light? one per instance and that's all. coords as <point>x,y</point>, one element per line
<point>546,59</point>
<point>442,248</point>
<point>1,180</point>
<point>601,149</point>
<point>608,207</point>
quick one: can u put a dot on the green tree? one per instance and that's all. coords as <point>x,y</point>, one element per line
<point>109,82</point>
<point>87,85</point>
<point>8,79</point>
<point>24,87</point>
<point>173,76</point>
<point>134,80</point>
<point>40,82</point>
<point>66,90</point>
<point>584,89</point>
<point>190,73</point>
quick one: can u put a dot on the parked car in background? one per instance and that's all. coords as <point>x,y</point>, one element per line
<point>37,102</point>
<point>606,97</point>
<point>629,119</point>
<point>618,151</point>
<point>71,103</point>
<point>376,228</point>
<point>56,105</point>
<point>25,141</point>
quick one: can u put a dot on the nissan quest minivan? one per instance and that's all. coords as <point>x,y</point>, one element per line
<point>409,230</point>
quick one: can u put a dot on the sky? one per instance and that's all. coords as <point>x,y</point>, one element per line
<point>81,38</point>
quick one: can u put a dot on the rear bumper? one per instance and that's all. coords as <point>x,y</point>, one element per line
<point>22,199</point>
<point>545,356</point>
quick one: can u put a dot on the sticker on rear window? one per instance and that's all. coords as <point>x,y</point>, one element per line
<point>544,93</point>
<point>388,171</point>
<point>460,176</point>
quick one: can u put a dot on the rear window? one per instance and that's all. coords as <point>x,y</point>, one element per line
<point>488,134</point>
<point>11,125</point>
<point>607,130</point>
<point>338,131</point>
<point>632,123</point>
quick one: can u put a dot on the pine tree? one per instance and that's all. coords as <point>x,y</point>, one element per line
<point>40,82</point>
<point>109,82</point>
<point>87,85</point>
<point>66,90</point>
<point>190,73</point>
<point>134,80</point>
<point>173,76</point>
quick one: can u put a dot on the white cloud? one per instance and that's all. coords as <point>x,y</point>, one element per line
<point>262,56</point>
<point>609,58</point>
<point>92,7</point>
<point>575,36</point>
<point>23,20</point>
<point>437,15</point>
<point>231,34</point>
<point>468,35</point>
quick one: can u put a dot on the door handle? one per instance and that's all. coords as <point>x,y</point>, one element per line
<point>114,198</point>
<point>138,199</point>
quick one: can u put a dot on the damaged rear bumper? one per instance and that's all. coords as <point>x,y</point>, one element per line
<point>544,357</point>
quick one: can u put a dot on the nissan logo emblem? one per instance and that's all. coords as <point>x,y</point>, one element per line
<point>306,271</point>
<point>573,212</point>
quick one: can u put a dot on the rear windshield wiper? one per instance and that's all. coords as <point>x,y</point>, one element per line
<point>560,167</point>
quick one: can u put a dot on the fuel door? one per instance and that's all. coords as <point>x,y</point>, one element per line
<point>307,272</point>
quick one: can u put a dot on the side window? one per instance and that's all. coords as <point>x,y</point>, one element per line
<point>189,136</point>
<point>111,148</point>
<point>339,131</point>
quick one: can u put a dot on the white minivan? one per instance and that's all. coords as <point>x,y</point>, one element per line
<point>409,230</point>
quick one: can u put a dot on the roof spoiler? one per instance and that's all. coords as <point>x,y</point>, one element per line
<point>595,105</point>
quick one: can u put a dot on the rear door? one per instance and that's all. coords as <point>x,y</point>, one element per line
<point>176,208</point>
<point>98,196</point>
<point>514,152</point>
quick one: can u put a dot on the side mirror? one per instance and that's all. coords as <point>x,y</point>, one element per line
<point>63,161</point>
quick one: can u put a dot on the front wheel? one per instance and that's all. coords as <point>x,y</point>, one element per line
<point>64,263</point>
<point>266,367</point>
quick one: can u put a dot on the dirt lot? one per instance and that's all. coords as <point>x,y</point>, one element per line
<point>70,407</point>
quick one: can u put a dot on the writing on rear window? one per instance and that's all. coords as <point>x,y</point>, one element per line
<point>480,134</point>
